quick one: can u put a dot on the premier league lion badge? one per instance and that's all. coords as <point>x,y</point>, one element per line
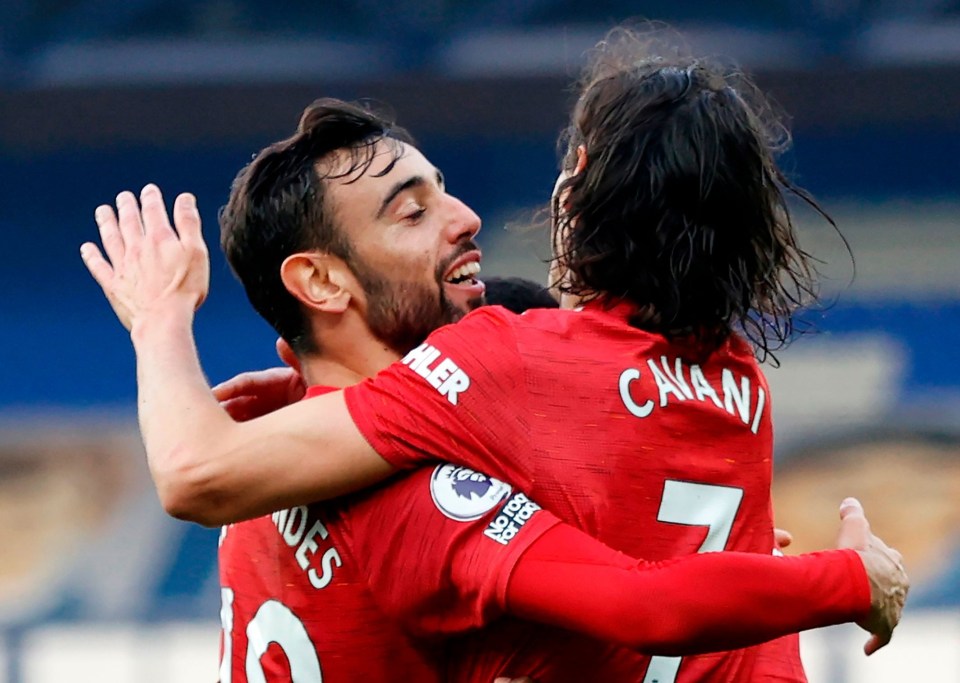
<point>463,494</point>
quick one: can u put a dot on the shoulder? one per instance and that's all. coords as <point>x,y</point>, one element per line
<point>489,318</point>
<point>534,321</point>
<point>499,318</point>
<point>738,349</point>
<point>446,491</point>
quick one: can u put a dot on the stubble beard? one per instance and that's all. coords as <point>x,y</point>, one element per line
<point>403,313</point>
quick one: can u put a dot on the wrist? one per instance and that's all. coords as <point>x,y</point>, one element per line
<point>163,319</point>
<point>862,585</point>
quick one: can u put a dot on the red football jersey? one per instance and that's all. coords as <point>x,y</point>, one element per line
<point>335,591</point>
<point>620,432</point>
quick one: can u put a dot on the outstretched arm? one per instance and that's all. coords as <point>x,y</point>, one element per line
<point>208,468</point>
<point>711,601</point>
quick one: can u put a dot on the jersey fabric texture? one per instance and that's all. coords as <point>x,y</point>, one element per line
<point>339,590</point>
<point>625,434</point>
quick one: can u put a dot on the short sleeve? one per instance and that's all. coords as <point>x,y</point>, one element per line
<point>458,397</point>
<point>438,546</point>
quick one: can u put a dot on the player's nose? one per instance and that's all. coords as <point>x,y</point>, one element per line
<point>463,222</point>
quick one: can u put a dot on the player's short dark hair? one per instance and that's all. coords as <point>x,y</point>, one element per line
<point>681,208</point>
<point>278,205</point>
<point>517,294</point>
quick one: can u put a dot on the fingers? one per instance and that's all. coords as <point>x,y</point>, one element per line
<point>854,527</point>
<point>782,538</point>
<point>109,232</point>
<point>243,384</point>
<point>101,271</point>
<point>241,409</point>
<point>187,219</point>
<point>851,507</point>
<point>131,227</point>
<point>154,213</point>
<point>287,355</point>
<point>876,642</point>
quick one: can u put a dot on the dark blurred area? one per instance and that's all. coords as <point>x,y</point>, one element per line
<point>101,96</point>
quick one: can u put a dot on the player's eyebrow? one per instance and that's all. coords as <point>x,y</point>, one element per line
<point>404,185</point>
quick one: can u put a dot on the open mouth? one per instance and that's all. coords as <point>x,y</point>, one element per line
<point>464,274</point>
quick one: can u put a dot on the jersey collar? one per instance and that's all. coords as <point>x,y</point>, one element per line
<point>319,390</point>
<point>618,308</point>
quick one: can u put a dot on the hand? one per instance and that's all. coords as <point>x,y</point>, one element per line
<point>782,538</point>
<point>505,679</point>
<point>888,580</point>
<point>148,266</point>
<point>254,394</point>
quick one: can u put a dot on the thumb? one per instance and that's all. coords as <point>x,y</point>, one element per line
<point>782,538</point>
<point>287,355</point>
<point>874,643</point>
<point>854,527</point>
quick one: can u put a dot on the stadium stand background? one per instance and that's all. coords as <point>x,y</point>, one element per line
<point>99,96</point>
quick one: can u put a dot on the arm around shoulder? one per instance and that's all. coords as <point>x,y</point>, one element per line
<point>211,470</point>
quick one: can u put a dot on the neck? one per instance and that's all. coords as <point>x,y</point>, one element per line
<point>570,301</point>
<point>348,355</point>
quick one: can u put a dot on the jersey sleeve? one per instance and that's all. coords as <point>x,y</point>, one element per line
<point>438,546</point>
<point>458,397</point>
<point>706,602</point>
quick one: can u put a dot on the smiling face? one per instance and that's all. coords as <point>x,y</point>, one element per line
<point>411,244</point>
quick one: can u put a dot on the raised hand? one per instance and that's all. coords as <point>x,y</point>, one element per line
<point>888,580</point>
<point>146,265</point>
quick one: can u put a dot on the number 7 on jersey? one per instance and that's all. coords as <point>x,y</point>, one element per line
<point>686,502</point>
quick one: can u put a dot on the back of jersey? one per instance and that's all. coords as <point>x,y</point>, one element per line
<point>294,609</point>
<point>632,437</point>
<point>662,454</point>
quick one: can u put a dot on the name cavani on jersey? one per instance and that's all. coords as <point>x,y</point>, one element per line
<point>679,382</point>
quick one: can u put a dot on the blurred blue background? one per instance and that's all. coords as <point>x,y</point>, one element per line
<point>102,96</point>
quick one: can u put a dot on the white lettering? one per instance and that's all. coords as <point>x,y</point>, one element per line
<point>673,385</point>
<point>702,387</point>
<point>441,373</point>
<point>446,377</point>
<point>422,367</point>
<point>417,355</point>
<point>290,535</point>
<point>665,386</point>
<point>330,558</point>
<point>455,384</point>
<point>732,397</point>
<point>512,517</point>
<point>626,377</point>
<point>678,377</point>
<point>761,401</point>
<point>309,544</point>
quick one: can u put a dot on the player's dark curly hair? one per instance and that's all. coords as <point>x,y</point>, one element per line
<point>517,294</point>
<point>681,207</point>
<point>278,205</point>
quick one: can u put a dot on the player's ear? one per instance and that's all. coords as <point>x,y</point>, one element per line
<point>317,280</point>
<point>581,159</point>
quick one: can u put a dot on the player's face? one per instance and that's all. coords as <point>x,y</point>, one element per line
<point>412,244</point>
